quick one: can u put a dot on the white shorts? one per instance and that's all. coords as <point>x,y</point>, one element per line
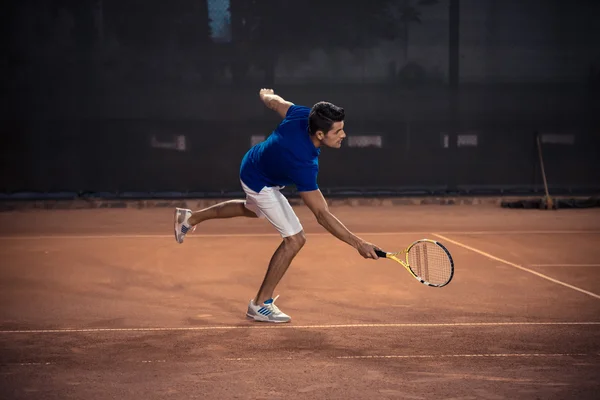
<point>273,206</point>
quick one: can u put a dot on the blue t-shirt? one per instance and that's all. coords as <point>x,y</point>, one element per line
<point>286,157</point>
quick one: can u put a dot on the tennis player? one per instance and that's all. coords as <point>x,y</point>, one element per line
<point>288,156</point>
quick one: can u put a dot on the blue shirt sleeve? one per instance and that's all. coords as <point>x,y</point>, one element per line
<point>295,112</point>
<point>305,179</point>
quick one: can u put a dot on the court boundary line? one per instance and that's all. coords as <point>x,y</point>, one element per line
<point>250,234</point>
<point>310,359</point>
<point>564,265</point>
<point>372,356</point>
<point>417,356</point>
<point>262,326</point>
<point>492,257</point>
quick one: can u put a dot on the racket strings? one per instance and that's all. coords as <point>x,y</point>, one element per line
<point>430,262</point>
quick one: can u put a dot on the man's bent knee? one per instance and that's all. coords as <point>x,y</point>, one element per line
<point>296,241</point>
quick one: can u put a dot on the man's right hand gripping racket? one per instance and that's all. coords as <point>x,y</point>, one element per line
<point>427,260</point>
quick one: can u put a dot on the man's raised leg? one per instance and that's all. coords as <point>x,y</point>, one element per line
<point>186,220</point>
<point>226,209</point>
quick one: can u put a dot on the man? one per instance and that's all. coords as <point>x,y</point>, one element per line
<point>288,156</point>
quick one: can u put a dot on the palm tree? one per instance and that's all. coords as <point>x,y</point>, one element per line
<point>398,17</point>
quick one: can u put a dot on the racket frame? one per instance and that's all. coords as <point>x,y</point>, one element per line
<point>396,257</point>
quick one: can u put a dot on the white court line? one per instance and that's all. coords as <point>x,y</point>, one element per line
<point>278,326</point>
<point>565,265</point>
<point>234,235</point>
<point>536,232</point>
<point>377,356</point>
<point>505,355</point>
<point>26,364</point>
<point>470,355</point>
<point>488,255</point>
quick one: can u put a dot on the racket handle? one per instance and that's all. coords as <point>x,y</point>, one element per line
<point>380,253</point>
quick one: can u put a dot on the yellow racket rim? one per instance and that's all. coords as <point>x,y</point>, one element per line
<point>440,260</point>
<point>431,265</point>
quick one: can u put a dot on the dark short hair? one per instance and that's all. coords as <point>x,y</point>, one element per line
<point>323,115</point>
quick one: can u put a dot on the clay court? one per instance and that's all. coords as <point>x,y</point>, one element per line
<point>101,304</point>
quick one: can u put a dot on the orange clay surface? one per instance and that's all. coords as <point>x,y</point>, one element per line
<point>99,304</point>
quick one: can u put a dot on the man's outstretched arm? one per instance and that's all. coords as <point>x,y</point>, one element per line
<point>275,102</point>
<point>316,203</point>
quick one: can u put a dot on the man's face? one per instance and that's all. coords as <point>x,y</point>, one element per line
<point>335,136</point>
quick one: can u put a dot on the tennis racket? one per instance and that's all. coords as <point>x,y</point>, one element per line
<point>427,260</point>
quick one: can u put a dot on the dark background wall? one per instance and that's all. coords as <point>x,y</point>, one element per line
<point>116,96</point>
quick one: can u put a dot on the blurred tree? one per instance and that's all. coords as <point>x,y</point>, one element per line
<point>355,26</point>
<point>360,25</point>
<point>397,18</point>
<point>263,30</point>
<point>395,22</point>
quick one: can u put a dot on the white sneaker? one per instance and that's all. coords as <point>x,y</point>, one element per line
<point>267,312</point>
<point>180,222</point>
